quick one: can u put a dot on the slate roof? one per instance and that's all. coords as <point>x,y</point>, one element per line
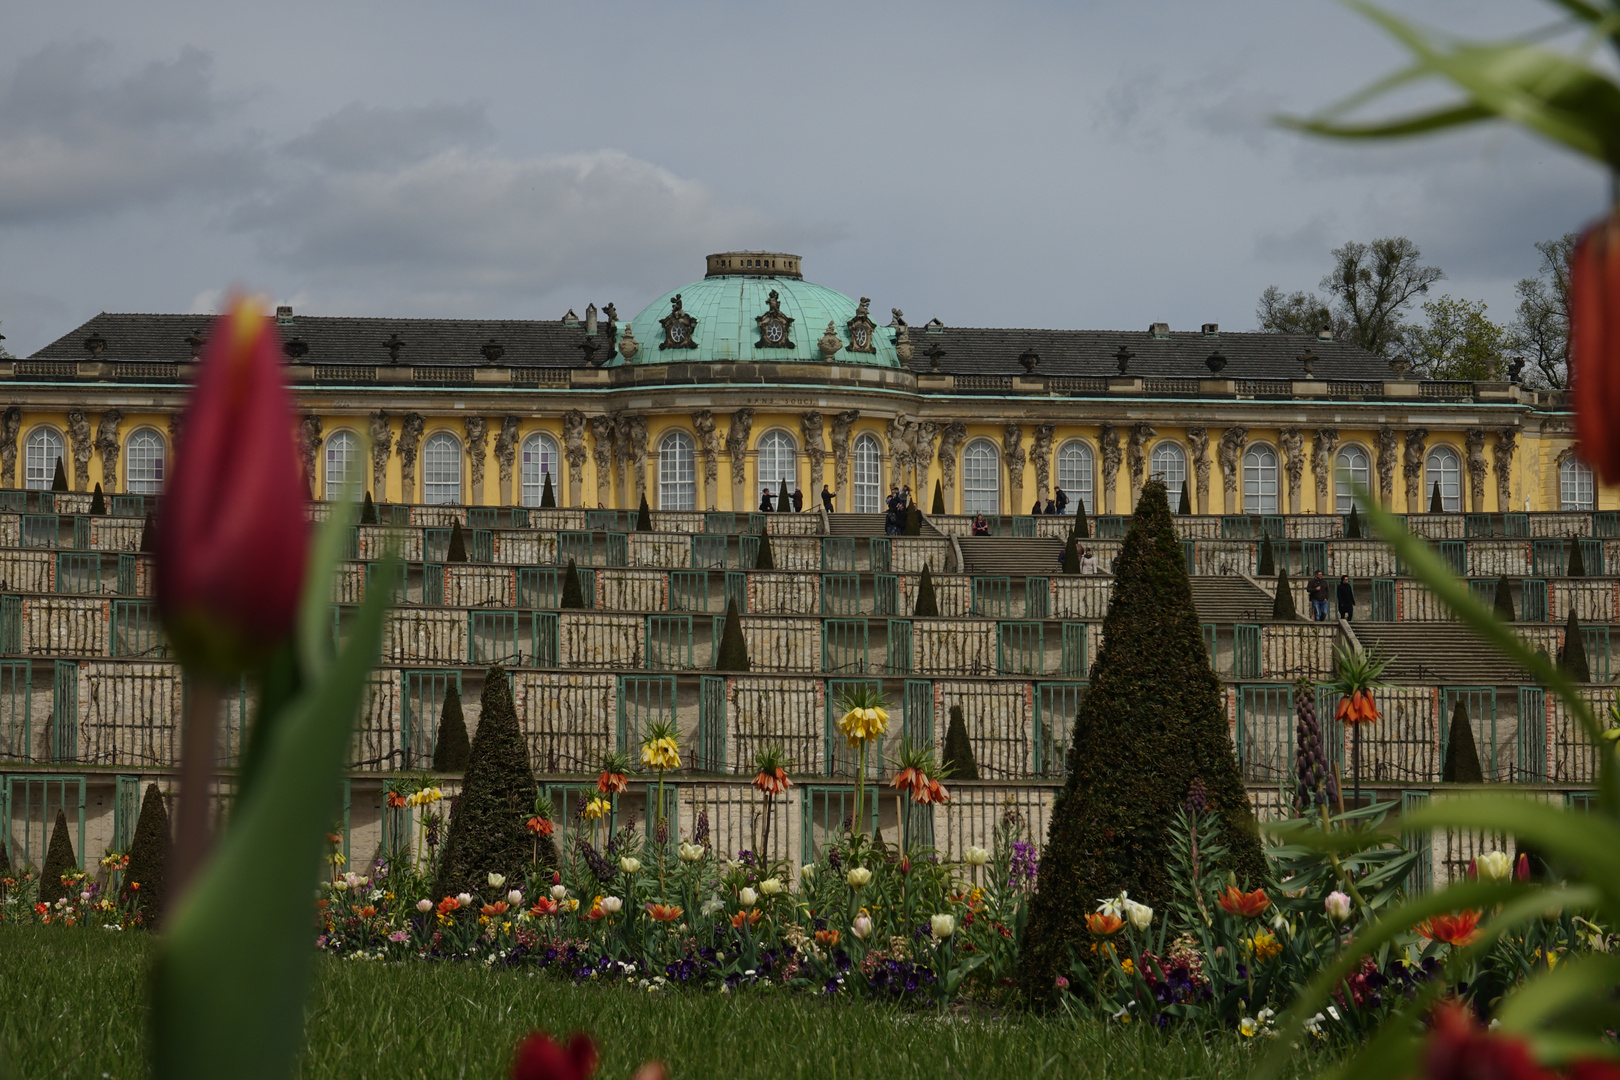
<point>546,343</point>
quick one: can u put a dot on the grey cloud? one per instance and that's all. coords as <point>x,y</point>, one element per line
<point>359,137</point>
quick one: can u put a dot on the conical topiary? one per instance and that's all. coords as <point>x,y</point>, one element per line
<point>98,501</point>
<point>1462,756</point>
<point>1352,524</point>
<point>913,521</point>
<point>1573,656</point>
<point>59,860</point>
<point>1081,529</point>
<point>927,606</point>
<point>1071,555</point>
<point>548,497</point>
<point>1282,607</point>
<point>451,751</point>
<point>457,550</point>
<point>939,499</point>
<point>368,511</point>
<point>59,477</point>
<point>1186,500</point>
<point>1151,723</point>
<point>1268,561</point>
<point>733,652</point>
<point>1437,505</point>
<point>487,833</point>
<point>765,558</point>
<point>644,516</point>
<point>148,527</point>
<point>148,858</point>
<point>1577,559</point>
<point>573,596</point>
<point>784,501</point>
<point>958,754</point>
<point>1504,600</point>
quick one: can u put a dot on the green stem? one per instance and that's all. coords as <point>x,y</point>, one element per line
<point>860,787</point>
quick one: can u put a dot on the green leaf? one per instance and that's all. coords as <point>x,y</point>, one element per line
<point>231,977</point>
<point>1575,984</point>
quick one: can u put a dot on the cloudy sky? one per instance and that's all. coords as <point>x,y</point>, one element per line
<point>1077,164</point>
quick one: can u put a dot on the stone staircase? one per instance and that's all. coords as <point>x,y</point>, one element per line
<point>868,525</point>
<point>1004,555</point>
<point>1437,652</point>
<point>1230,599</point>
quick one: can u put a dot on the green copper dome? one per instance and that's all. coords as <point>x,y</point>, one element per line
<point>753,306</point>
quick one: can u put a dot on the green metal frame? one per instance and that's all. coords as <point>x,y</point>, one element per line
<point>689,590</point>
<point>837,554</point>
<point>1055,706</point>
<point>667,641</point>
<point>421,703</point>
<point>65,711</point>
<point>1021,648</point>
<point>711,732</point>
<point>1246,650</point>
<point>844,646</point>
<point>822,810</point>
<point>898,657</point>
<point>840,759</point>
<point>840,595</point>
<point>643,699</point>
<point>16,718</point>
<point>992,597</point>
<point>543,634</point>
<point>73,804</point>
<point>1265,733</point>
<point>1073,664</point>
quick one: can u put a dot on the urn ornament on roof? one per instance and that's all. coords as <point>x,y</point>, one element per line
<point>830,342</point>
<point>1123,358</point>
<point>1215,362</point>
<point>492,350</point>
<point>628,345</point>
<point>1029,358</point>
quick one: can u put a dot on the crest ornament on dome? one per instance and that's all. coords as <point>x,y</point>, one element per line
<point>774,327</point>
<point>861,328</point>
<point>679,327</point>
<point>830,341</point>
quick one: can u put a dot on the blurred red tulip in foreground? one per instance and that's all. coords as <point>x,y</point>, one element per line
<point>1594,340</point>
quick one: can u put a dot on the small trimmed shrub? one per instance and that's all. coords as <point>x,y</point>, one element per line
<point>458,544</point>
<point>487,833</point>
<point>1504,600</point>
<point>1282,608</point>
<point>1436,504</point>
<point>59,477</point>
<point>784,501</point>
<point>1577,560</point>
<point>1573,656</point>
<point>1081,528</point>
<point>765,558</point>
<point>148,531</point>
<point>573,597</point>
<point>1352,525</point>
<point>644,516</point>
<point>1071,555</point>
<point>733,654</point>
<point>451,751</point>
<point>1268,561</point>
<point>59,860</point>
<point>149,857</point>
<point>913,521</point>
<point>1462,756</point>
<point>1186,500</point>
<point>958,755</point>
<point>927,606</point>
<point>98,502</point>
<point>368,511</point>
<point>548,497</point>
<point>939,500</point>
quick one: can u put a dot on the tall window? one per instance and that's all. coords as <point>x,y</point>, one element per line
<point>1352,468</point>
<point>677,480</point>
<point>342,463</point>
<point>1444,467</point>
<point>1260,480</point>
<point>441,469</point>
<point>1574,485</point>
<point>981,478</point>
<point>778,461</point>
<point>143,462</point>
<point>868,475</point>
<point>539,462</point>
<point>42,452</point>
<point>1169,463</point>
<point>1074,472</point>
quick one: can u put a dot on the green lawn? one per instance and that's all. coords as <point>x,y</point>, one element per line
<point>70,1006</point>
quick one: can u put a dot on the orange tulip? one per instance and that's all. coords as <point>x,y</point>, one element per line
<point>543,907</point>
<point>773,782</point>
<point>610,783</point>
<point>664,912</point>
<point>497,908</point>
<point>1249,905</point>
<point>448,904</point>
<point>749,918</point>
<point>367,912</point>
<point>828,938</point>
<point>1103,925</point>
<point>1594,346</point>
<point>1460,929</point>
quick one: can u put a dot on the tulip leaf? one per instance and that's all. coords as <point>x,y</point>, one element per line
<point>233,970</point>
<point>1577,984</point>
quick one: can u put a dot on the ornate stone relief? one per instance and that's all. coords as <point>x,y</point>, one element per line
<point>923,435</point>
<point>742,424</point>
<point>1136,457</point>
<point>709,443</point>
<point>951,440</point>
<point>1507,440</point>
<point>1474,440</point>
<point>1229,452</point>
<point>775,328</point>
<point>679,327</point>
<point>602,455</point>
<point>1198,443</point>
<point>1012,448</point>
<point>1417,440</point>
<point>897,449</point>
<point>506,457</point>
<point>83,445</point>
<point>841,425</point>
<point>107,443</point>
<point>1386,441</point>
<point>382,444</point>
<point>1108,444</point>
<point>410,437</point>
<point>1040,453</point>
<point>638,459</point>
<point>1323,443</point>
<point>477,454</point>
<point>309,444</point>
<point>575,453</point>
<point>10,428</point>
<point>815,448</point>
<point>903,349</point>
<point>1293,447</point>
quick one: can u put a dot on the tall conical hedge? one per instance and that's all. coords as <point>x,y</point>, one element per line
<point>765,558</point>
<point>457,550</point>
<point>1268,560</point>
<point>148,533</point>
<point>149,858</point>
<point>958,755</point>
<point>1186,500</point>
<point>1436,504</point>
<point>548,497</point>
<point>1352,524</point>
<point>59,477</point>
<point>927,606</point>
<point>59,860</point>
<point>573,596</point>
<point>451,751</point>
<point>1504,600</point>
<point>368,511</point>
<point>98,501</point>
<point>1462,756</point>
<point>1071,555</point>
<point>644,516</point>
<point>1151,723</point>
<point>1081,529</point>
<point>1573,658</point>
<point>487,833</point>
<point>733,652</point>
<point>1282,607</point>
<point>1577,559</point>
<point>913,521</point>
<point>939,499</point>
<point>784,501</point>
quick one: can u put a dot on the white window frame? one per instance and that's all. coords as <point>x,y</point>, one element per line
<point>677,472</point>
<point>981,478</point>
<point>1442,464</point>
<point>342,453</point>
<point>868,493</point>
<point>777,459</point>
<point>1169,462</point>
<point>1076,472</point>
<point>441,469</point>
<point>1352,465</point>
<point>538,459</point>
<point>42,450</point>
<point>1260,480</point>
<point>1576,490</point>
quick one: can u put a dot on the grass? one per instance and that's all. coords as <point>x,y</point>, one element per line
<point>71,1005</point>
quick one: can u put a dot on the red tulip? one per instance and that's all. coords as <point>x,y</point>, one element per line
<point>1521,872</point>
<point>539,1058</point>
<point>231,540</point>
<point>1594,346</point>
<point>1459,1049</point>
<point>1250,905</point>
<point>1459,930</point>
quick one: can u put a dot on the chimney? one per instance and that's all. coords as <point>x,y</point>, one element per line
<point>284,315</point>
<point>590,318</point>
<point>1160,330</point>
<point>1325,334</point>
<point>1212,329</point>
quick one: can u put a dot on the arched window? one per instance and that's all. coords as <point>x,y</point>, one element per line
<point>1444,467</point>
<point>778,461</point>
<point>1574,485</point>
<point>342,463</point>
<point>1074,472</point>
<point>1352,468</point>
<point>41,453</point>
<point>1169,463</point>
<point>868,475</point>
<point>1260,480</point>
<point>677,480</point>
<point>441,469</point>
<point>539,462</point>
<point>143,462</point>
<point>981,478</point>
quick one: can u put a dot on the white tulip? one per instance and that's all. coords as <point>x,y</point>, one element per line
<point>808,872</point>
<point>862,927</point>
<point>464,899</point>
<point>747,897</point>
<point>976,856</point>
<point>942,926</point>
<point>691,852</point>
<point>1337,905</point>
<point>629,865</point>
<point>515,897</point>
<point>858,877</point>
<point>1494,866</point>
<point>771,886</point>
<point>612,905</point>
<point>1140,916</point>
<point>496,880</point>
<point>424,906</point>
<point>559,892</point>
